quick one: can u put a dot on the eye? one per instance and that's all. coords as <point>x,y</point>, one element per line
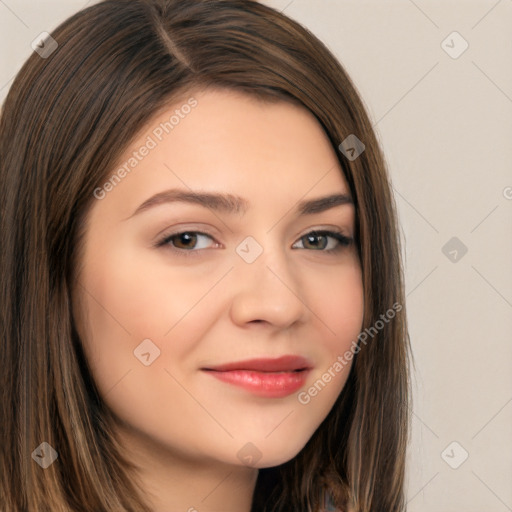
<point>325,241</point>
<point>185,241</point>
<point>189,242</point>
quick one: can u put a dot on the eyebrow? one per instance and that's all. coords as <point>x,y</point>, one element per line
<point>229,203</point>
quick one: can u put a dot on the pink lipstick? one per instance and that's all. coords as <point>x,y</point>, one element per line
<point>272,378</point>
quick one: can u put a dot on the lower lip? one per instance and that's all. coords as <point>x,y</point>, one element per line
<point>267,384</point>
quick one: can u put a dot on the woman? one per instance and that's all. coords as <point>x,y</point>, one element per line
<point>202,294</point>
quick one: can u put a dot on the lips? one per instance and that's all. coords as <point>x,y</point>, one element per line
<point>271,378</point>
<point>288,363</point>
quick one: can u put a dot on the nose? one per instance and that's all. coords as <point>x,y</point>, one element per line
<point>267,290</point>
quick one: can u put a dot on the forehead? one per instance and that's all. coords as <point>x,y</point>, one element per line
<point>230,141</point>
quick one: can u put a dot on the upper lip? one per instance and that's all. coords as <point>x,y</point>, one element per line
<point>287,363</point>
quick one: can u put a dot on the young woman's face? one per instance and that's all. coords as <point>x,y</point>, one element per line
<point>173,291</point>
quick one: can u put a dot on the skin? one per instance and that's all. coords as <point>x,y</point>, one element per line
<point>183,427</point>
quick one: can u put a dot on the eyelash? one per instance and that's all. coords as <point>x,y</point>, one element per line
<point>343,241</point>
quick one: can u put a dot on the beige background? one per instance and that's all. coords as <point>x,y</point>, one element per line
<point>446,128</point>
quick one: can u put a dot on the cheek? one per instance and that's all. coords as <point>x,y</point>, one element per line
<point>338,302</point>
<point>338,307</point>
<point>129,300</point>
<point>138,298</point>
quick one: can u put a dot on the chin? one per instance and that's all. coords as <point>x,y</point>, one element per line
<point>267,454</point>
<point>276,459</point>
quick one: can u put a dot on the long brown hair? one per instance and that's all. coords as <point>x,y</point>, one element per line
<point>65,122</point>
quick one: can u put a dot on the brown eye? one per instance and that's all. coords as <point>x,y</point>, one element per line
<point>320,241</point>
<point>315,241</point>
<point>186,241</point>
